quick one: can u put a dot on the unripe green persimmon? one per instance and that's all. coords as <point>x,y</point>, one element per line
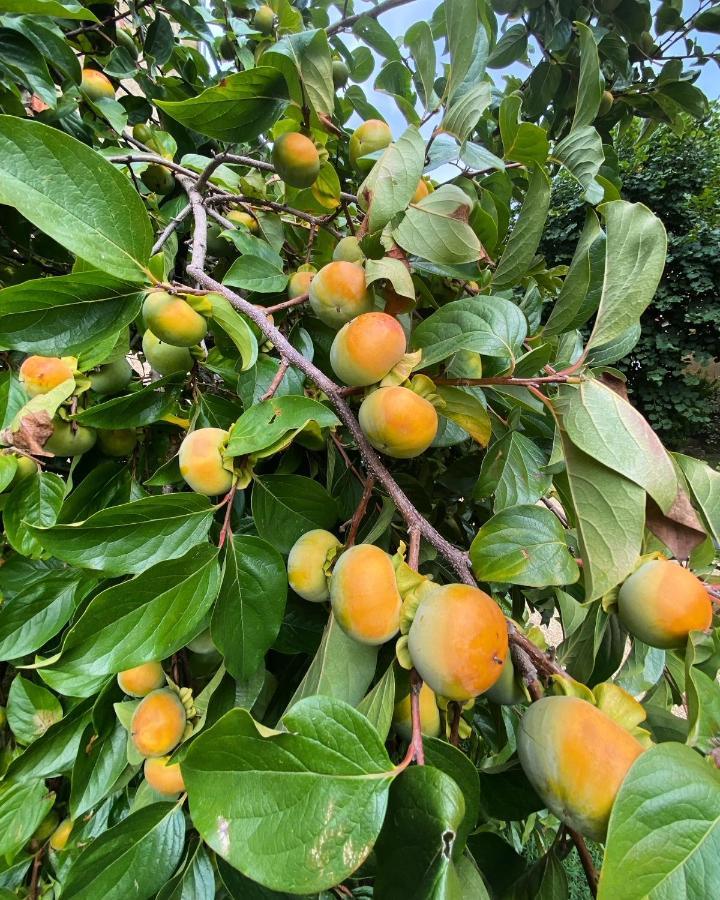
<point>662,602</point>
<point>506,691</point>
<point>112,377</point>
<point>164,358</point>
<point>264,20</point>
<point>366,349</point>
<point>606,103</point>
<point>158,179</point>
<point>364,594</point>
<point>68,441</point>
<point>305,564</point>
<point>296,159</point>
<point>398,422</point>
<point>201,461</point>
<point>173,320</point>
<point>576,758</point>
<point>96,85</point>
<point>340,73</point>
<point>338,293</point>
<point>458,641</point>
<point>369,137</point>
<point>158,723</point>
<point>46,827</point>
<point>117,441</point>
<point>348,249</point>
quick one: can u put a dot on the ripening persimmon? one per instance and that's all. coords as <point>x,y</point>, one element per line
<point>422,190</point>
<point>158,179</point>
<point>240,217</point>
<point>61,835</point>
<point>117,441</point>
<point>662,602</point>
<point>40,374</point>
<point>402,711</point>
<point>299,282</point>
<point>338,293</point>
<point>158,723</point>
<point>111,378</point>
<point>364,594</point>
<point>366,349</point>
<point>458,641</point>
<point>506,691</point>
<point>68,441</point>
<point>348,249</point>
<point>296,159</point>
<point>164,358</point>
<point>398,422</point>
<point>201,461</point>
<point>141,680</point>
<point>576,758</point>
<point>173,320</point>
<point>264,20</point>
<point>163,776</point>
<point>96,85</point>
<point>369,137</point>
<point>307,557</point>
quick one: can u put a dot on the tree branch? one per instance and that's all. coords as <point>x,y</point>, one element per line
<point>359,513</point>
<point>321,221</point>
<point>169,228</point>
<point>349,21</point>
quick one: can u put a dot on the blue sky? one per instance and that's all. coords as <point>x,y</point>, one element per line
<point>397,21</point>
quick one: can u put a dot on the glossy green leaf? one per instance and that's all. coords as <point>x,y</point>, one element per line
<point>491,326</point>
<point>453,762</point>
<point>524,239</point>
<point>31,710</point>
<point>245,792</point>
<point>704,484</point>
<point>437,228</point>
<point>36,501</point>
<point>254,273</point>
<point>581,152</point>
<point>147,618</point>
<point>286,506</point>
<point>22,809</point>
<point>132,859</point>
<point>393,179</point>
<point>195,882</point>
<point>66,315</point>
<point>251,602</point>
<point>304,59</point>
<point>142,407</point>
<point>273,421</point>
<point>664,828</point>
<point>511,47</point>
<point>238,109</point>
<point>461,21</point>
<point>523,142</point>
<point>236,328</point>
<point>377,706</point>
<point>419,39</point>
<point>635,258</point>
<point>100,761</point>
<point>513,472</point>
<point>523,545</point>
<point>52,8</point>
<point>133,536</point>
<point>591,84</point>
<point>83,201</point>
<point>465,409</point>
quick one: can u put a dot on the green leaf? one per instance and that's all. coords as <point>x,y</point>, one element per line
<point>250,606</point>
<point>271,422</point>
<point>305,61</point>
<point>461,20</point>
<point>464,113</point>
<point>147,618</point>
<point>245,793</point>
<point>523,142</point>
<point>466,410</point>
<point>378,705</point>
<point>82,201</point>
<point>142,407</point>
<point>26,64</point>
<point>544,880</point>
<point>491,326</point>
<point>22,809</point>
<point>607,428</point>
<point>580,294</point>
<point>634,262</point>
<point>455,763</point>
<point>286,506</point>
<point>703,699</point>
<point>254,273</point>
<point>415,847</point>
<point>704,484</point>
<point>36,501</point>
<point>513,472</point>
<point>610,516</point>
<point>51,8</point>
<point>511,47</point>
<point>101,760</point>
<point>133,536</point>
<point>236,110</point>
<point>236,328</point>
<point>419,40</point>
<point>342,668</point>
<point>132,859</point>
<point>54,753</point>
<point>437,228</point>
<point>195,882</point>
<point>66,315</point>
<point>393,179</point>
<point>708,20</point>
<point>393,270</point>
<point>590,88</point>
<point>664,829</point>
<point>525,237</point>
<point>581,152</point>
<point>31,710</point>
<point>523,545</point>
<point>48,39</point>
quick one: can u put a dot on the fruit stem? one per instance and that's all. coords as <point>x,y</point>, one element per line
<point>359,513</point>
<point>456,709</point>
<point>286,304</point>
<point>585,859</point>
<point>227,503</point>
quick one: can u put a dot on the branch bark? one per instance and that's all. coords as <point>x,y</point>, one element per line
<point>349,21</point>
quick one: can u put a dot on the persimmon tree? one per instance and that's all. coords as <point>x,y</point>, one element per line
<point>336,561</point>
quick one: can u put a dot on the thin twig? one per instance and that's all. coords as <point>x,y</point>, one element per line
<point>127,158</point>
<point>287,304</point>
<point>226,530</point>
<point>277,379</point>
<point>558,378</point>
<point>586,860</point>
<point>359,513</point>
<point>171,226</point>
<point>35,877</point>
<point>321,221</point>
<point>349,21</point>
